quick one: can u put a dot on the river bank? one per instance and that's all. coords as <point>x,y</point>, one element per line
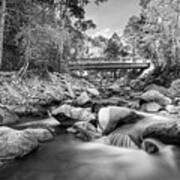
<point>33,108</point>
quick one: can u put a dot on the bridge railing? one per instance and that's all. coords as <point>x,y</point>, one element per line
<point>106,60</point>
<point>105,65</point>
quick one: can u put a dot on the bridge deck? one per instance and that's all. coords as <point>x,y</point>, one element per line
<point>104,65</point>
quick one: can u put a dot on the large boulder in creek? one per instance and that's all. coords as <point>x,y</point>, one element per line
<point>18,143</point>
<point>127,122</point>
<point>155,96</point>
<point>15,143</point>
<point>168,133</point>
<point>67,115</point>
<point>111,117</point>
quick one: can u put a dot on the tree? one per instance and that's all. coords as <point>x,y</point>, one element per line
<point>113,47</point>
<point>42,31</point>
<point>156,34</point>
<point>156,31</point>
<point>2,27</point>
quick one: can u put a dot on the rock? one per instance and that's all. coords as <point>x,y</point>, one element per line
<point>94,92</point>
<point>112,101</point>
<point>137,84</point>
<point>172,109</point>
<point>83,99</point>
<point>164,113</point>
<point>29,110</point>
<point>168,133</point>
<point>84,125</point>
<point>48,123</point>
<point>155,96</point>
<point>175,88</point>
<point>158,88</point>
<point>127,121</point>
<point>114,88</point>
<point>87,131</point>
<point>7,117</point>
<point>71,130</point>
<point>126,90</point>
<point>134,104</point>
<point>68,115</point>
<point>42,135</point>
<point>15,143</point>
<point>65,109</point>
<point>151,107</point>
<point>110,116</point>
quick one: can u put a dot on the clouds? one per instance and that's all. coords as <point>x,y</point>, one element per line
<point>111,16</point>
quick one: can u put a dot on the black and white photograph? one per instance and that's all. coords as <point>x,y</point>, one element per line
<point>89,89</point>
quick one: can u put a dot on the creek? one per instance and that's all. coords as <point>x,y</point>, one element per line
<point>61,160</point>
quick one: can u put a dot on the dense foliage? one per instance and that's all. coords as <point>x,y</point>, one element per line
<point>40,33</point>
<point>155,33</point>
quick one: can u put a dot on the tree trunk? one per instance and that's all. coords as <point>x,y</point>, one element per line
<point>2,24</point>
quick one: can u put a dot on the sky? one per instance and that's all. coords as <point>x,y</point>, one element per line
<point>111,16</point>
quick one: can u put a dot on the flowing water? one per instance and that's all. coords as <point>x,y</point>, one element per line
<point>60,160</point>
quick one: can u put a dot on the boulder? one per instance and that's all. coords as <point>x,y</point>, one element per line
<point>151,107</point>
<point>168,133</point>
<point>155,96</point>
<point>134,104</point>
<point>94,92</point>
<point>164,113</point>
<point>84,125</point>
<point>48,123</point>
<point>158,88</point>
<point>83,99</point>
<point>112,101</point>
<point>172,109</point>
<point>16,143</point>
<point>7,116</point>
<point>86,131</point>
<point>67,115</point>
<point>175,88</point>
<point>127,121</point>
<point>29,110</point>
<point>41,134</point>
<point>137,84</point>
<point>111,116</point>
<point>114,88</point>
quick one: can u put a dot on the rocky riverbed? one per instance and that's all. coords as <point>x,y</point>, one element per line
<point>32,109</point>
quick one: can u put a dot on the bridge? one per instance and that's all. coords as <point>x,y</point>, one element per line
<point>103,64</point>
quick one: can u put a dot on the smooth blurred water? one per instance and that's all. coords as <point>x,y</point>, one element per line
<point>60,160</point>
<point>46,163</point>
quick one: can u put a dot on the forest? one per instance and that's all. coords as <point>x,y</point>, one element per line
<point>76,106</point>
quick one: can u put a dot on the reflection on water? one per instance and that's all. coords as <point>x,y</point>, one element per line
<point>59,160</point>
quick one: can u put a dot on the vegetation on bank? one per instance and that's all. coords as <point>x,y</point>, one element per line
<point>46,35</point>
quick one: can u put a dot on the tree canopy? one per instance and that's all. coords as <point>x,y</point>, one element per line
<point>39,33</point>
